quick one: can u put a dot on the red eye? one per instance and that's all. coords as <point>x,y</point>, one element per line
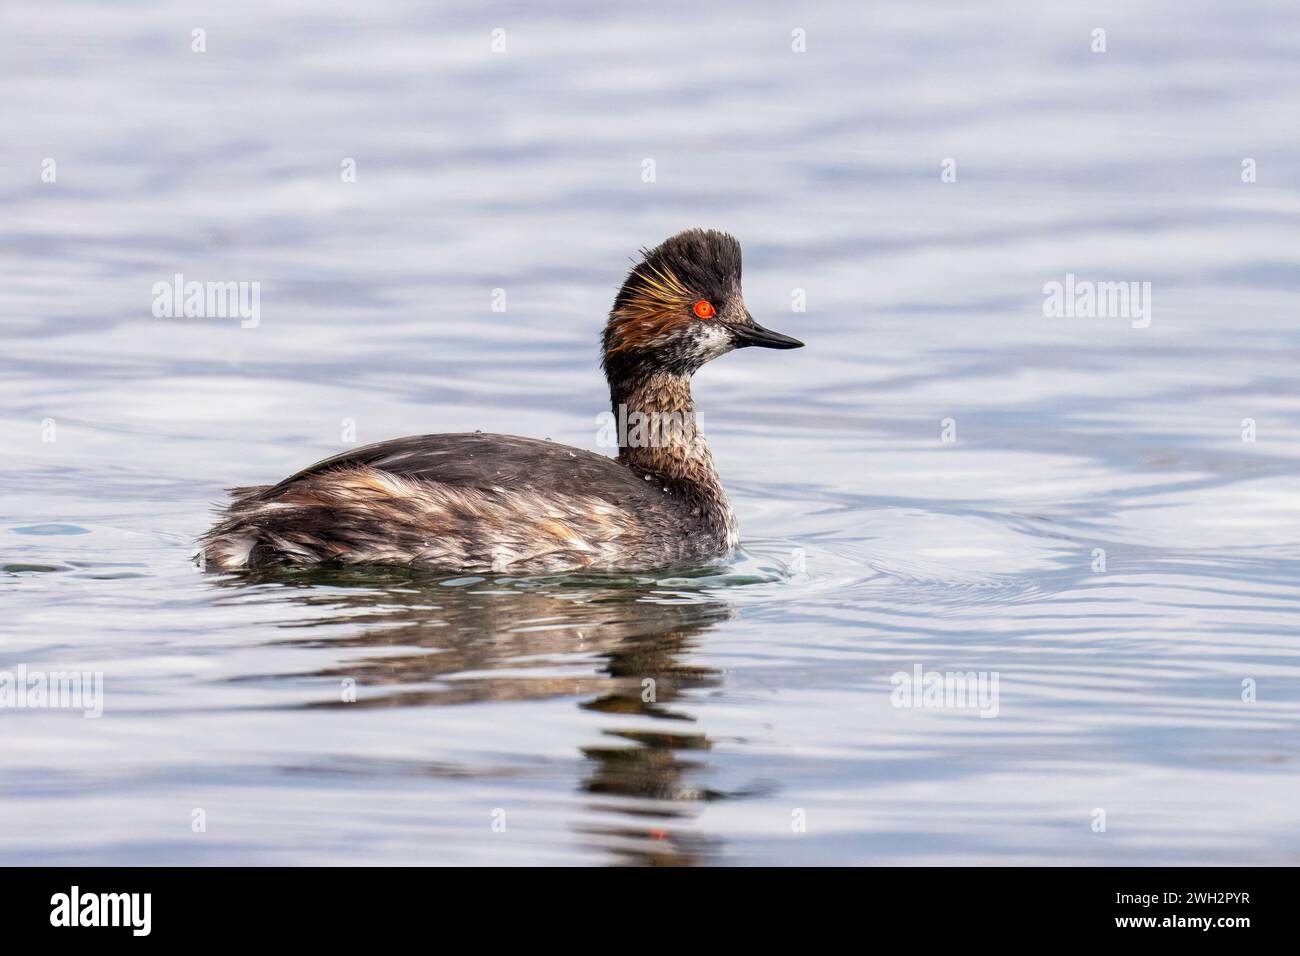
<point>704,309</point>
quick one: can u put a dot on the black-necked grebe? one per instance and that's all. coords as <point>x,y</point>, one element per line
<point>497,503</point>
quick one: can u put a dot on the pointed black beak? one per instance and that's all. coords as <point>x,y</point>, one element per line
<point>754,334</point>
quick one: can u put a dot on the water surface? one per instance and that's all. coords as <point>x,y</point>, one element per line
<point>390,718</point>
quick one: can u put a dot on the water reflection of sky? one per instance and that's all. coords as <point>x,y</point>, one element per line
<point>1120,690</point>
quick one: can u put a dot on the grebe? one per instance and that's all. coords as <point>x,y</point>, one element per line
<point>497,503</point>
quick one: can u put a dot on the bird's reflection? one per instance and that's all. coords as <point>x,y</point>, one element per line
<point>478,641</point>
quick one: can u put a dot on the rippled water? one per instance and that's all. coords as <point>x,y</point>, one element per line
<point>505,720</point>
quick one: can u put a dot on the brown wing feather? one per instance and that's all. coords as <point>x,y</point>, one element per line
<point>478,460</point>
<point>464,501</point>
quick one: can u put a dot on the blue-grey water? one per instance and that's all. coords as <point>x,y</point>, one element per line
<point>1102,512</point>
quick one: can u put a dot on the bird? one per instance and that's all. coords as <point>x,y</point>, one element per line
<point>470,502</point>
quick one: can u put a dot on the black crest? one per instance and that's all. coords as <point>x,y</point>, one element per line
<point>705,261</point>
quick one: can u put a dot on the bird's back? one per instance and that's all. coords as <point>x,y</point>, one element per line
<point>471,502</point>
